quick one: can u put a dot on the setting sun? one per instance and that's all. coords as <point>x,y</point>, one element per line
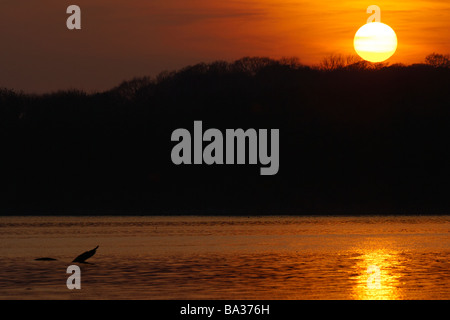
<point>375,42</point>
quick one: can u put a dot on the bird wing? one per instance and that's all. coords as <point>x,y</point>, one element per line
<point>85,255</point>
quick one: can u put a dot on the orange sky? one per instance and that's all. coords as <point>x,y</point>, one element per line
<point>121,39</point>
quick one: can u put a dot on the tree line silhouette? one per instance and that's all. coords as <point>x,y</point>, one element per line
<point>355,138</point>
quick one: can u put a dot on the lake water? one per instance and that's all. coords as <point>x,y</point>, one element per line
<point>196,257</point>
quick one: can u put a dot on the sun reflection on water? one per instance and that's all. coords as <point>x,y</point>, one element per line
<point>378,275</point>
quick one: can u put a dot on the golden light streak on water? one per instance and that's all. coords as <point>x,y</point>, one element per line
<point>378,277</point>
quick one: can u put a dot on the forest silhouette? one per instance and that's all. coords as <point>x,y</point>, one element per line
<point>355,138</point>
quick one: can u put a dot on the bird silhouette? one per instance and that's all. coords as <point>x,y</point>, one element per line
<point>85,255</point>
<point>81,258</point>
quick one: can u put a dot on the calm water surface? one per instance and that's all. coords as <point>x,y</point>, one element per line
<point>227,257</point>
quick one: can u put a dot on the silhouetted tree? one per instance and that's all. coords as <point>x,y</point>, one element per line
<point>251,65</point>
<point>338,61</point>
<point>128,89</point>
<point>438,60</point>
<point>291,62</point>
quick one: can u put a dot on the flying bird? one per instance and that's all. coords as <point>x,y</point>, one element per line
<point>85,255</point>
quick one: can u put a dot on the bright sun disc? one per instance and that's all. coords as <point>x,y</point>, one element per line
<point>375,42</point>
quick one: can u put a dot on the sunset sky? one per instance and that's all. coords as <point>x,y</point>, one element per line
<point>122,39</point>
